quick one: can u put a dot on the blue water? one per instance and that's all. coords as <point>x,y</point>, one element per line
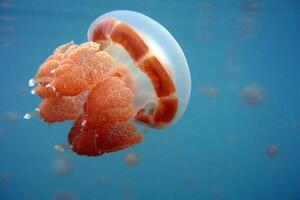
<point>216,151</point>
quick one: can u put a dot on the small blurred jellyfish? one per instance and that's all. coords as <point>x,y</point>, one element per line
<point>231,138</point>
<point>217,191</point>
<point>250,6</point>
<point>130,159</point>
<point>101,181</point>
<point>247,19</point>
<point>61,166</point>
<point>189,181</point>
<point>63,196</point>
<point>5,3</point>
<point>272,150</point>
<point>246,36</point>
<point>233,71</point>
<point>1,131</point>
<point>205,5</point>
<point>126,186</point>
<point>21,90</point>
<point>5,18</point>
<point>209,90</point>
<point>11,117</point>
<point>127,197</point>
<point>5,176</point>
<point>253,95</point>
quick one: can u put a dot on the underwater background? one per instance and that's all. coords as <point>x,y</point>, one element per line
<point>239,138</point>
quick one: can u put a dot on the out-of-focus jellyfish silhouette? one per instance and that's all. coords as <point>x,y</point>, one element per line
<point>131,159</point>
<point>101,181</point>
<point>11,117</point>
<point>61,166</point>
<point>189,181</point>
<point>233,71</point>
<point>247,19</point>
<point>131,70</point>
<point>217,191</point>
<point>253,95</point>
<point>5,3</point>
<point>63,196</point>
<point>6,18</point>
<point>1,131</point>
<point>128,197</point>
<point>203,29</point>
<point>231,138</point>
<point>272,150</point>
<point>250,6</point>
<point>205,5</point>
<point>5,176</point>
<point>209,90</point>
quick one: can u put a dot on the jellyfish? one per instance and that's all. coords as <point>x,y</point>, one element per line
<point>217,191</point>
<point>209,90</point>
<point>131,70</point>
<point>272,150</point>
<point>61,166</point>
<point>11,117</point>
<point>253,95</point>
<point>63,196</point>
<point>131,159</point>
<point>5,176</point>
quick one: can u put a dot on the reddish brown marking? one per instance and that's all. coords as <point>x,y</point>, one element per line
<point>160,79</point>
<point>130,40</point>
<point>102,29</point>
<point>166,110</point>
<point>143,118</point>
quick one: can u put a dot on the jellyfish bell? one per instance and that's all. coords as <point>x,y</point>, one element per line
<point>272,150</point>
<point>209,90</point>
<point>131,159</point>
<point>5,176</point>
<point>63,196</point>
<point>157,63</point>
<point>61,166</point>
<point>253,95</point>
<point>131,70</point>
